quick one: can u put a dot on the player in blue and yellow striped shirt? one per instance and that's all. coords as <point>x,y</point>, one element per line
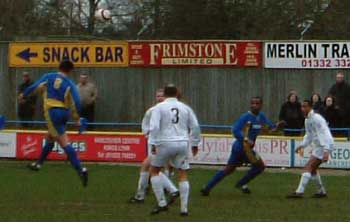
<point>60,96</point>
<point>245,130</point>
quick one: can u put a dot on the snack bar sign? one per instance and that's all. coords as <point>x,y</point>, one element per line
<point>195,53</point>
<point>83,54</point>
<point>307,55</point>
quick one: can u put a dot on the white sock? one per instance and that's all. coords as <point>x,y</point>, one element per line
<point>304,180</point>
<point>142,185</point>
<point>184,188</point>
<point>319,184</point>
<point>158,190</point>
<point>168,185</point>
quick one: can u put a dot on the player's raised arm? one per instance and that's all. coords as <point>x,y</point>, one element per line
<point>74,101</point>
<point>268,122</point>
<point>36,86</point>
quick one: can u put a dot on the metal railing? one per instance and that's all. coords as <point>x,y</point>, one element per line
<point>345,132</point>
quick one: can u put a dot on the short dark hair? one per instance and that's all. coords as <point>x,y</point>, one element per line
<point>170,90</point>
<point>257,97</point>
<point>66,66</point>
<point>308,102</point>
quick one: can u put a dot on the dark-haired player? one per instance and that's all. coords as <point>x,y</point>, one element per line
<point>318,133</point>
<point>60,96</point>
<point>245,130</point>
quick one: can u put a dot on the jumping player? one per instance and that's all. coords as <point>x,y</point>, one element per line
<point>245,130</point>
<point>60,95</point>
<point>318,133</point>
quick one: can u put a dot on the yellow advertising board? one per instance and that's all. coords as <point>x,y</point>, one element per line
<point>83,54</point>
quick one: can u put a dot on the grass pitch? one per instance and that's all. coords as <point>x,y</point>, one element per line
<point>55,194</point>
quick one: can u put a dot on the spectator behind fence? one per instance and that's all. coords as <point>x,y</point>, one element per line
<point>332,114</point>
<point>88,95</point>
<point>291,113</point>
<point>341,93</point>
<point>317,103</point>
<point>26,107</point>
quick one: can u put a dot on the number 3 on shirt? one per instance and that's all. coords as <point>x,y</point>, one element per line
<point>57,84</point>
<point>175,119</point>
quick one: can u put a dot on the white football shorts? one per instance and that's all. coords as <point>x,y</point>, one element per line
<point>176,153</point>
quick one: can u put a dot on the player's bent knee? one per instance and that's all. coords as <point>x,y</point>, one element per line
<point>146,164</point>
<point>262,167</point>
<point>229,169</point>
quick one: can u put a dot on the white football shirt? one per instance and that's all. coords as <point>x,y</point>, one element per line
<point>172,120</point>
<point>317,132</point>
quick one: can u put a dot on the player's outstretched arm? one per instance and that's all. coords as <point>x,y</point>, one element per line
<point>35,87</point>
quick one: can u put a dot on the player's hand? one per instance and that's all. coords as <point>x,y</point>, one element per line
<point>325,156</point>
<point>250,143</point>
<point>194,150</point>
<point>279,125</point>
<point>300,150</point>
<point>21,98</point>
<point>154,150</point>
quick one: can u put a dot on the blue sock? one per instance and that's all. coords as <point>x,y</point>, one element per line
<point>45,152</point>
<point>251,174</point>
<point>215,179</point>
<point>73,157</point>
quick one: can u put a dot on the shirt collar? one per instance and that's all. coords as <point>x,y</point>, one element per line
<point>170,99</point>
<point>310,114</point>
<point>251,113</point>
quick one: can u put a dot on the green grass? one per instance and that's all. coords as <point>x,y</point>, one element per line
<point>55,194</point>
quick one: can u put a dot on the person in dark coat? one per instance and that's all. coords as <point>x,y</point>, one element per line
<point>291,114</point>
<point>341,93</point>
<point>317,103</point>
<point>26,108</point>
<point>332,114</point>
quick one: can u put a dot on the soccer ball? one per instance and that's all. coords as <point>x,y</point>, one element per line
<point>103,14</point>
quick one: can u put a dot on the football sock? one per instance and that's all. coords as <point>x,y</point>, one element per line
<point>251,174</point>
<point>319,184</point>
<point>158,190</point>
<point>215,179</point>
<point>304,180</point>
<point>73,157</point>
<point>142,185</point>
<point>45,152</point>
<point>168,185</point>
<point>184,188</point>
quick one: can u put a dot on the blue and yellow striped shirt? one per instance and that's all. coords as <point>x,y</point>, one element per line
<point>58,91</point>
